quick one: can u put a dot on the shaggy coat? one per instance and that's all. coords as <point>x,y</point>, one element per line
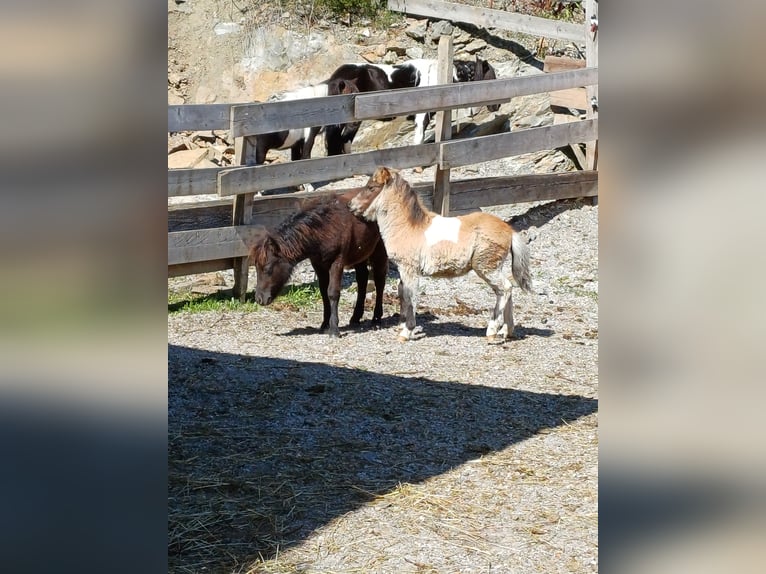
<point>332,238</point>
<point>421,242</point>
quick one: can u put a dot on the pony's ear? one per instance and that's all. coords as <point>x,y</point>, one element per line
<point>383,175</point>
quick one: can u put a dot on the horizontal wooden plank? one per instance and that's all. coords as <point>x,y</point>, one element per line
<point>487,18</point>
<point>571,98</point>
<point>471,194</point>
<point>199,215</point>
<point>206,244</point>
<point>188,117</point>
<point>262,118</point>
<point>199,267</point>
<point>561,64</point>
<point>466,94</point>
<point>193,181</point>
<point>465,152</point>
<point>263,177</point>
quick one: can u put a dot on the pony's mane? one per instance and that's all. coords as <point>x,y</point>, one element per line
<point>414,208</point>
<point>300,233</point>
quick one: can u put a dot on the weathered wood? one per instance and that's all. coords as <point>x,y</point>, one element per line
<point>199,267</point>
<point>200,214</point>
<point>471,194</point>
<point>236,181</point>
<point>486,148</point>
<point>561,64</point>
<point>207,244</point>
<point>189,117</point>
<point>193,181</point>
<point>572,98</point>
<point>242,214</point>
<point>262,118</point>
<point>466,94</point>
<point>443,126</point>
<point>591,59</point>
<point>487,18</point>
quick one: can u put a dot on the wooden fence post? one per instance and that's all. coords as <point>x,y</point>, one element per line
<point>591,60</point>
<point>443,127</point>
<point>244,149</point>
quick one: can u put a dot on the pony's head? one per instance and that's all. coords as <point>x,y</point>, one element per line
<point>485,71</point>
<point>362,203</point>
<point>272,270</point>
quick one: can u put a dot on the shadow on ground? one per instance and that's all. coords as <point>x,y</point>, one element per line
<point>263,451</point>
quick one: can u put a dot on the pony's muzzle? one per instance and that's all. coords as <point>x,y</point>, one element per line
<point>263,298</point>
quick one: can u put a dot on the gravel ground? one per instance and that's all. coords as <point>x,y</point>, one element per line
<point>292,452</point>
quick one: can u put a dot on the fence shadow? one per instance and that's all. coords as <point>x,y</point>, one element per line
<point>263,451</point>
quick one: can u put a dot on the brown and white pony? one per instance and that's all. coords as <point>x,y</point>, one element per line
<point>422,243</point>
<point>332,238</point>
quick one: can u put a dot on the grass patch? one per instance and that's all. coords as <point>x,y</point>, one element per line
<point>293,297</point>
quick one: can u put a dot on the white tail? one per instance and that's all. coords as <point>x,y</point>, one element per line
<point>520,262</point>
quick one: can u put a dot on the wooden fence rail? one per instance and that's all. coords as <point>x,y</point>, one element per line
<point>216,248</point>
<point>486,18</point>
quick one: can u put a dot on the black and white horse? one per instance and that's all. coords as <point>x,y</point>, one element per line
<point>300,141</point>
<point>409,74</point>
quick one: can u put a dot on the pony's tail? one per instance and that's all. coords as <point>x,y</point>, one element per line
<point>520,262</point>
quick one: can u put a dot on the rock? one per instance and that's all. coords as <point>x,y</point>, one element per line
<point>206,135</point>
<point>226,28</point>
<point>460,36</point>
<point>475,46</point>
<point>371,57</point>
<point>175,79</point>
<point>390,58</point>
<point>417,30</point>
<point>440,28</point>
<point>176,147</point>
<point>186,159</point>
<point>223,135</point>
<point>414,53</point>
<point>399,50</point>
<point>205,95</point>
<point>174,99</point>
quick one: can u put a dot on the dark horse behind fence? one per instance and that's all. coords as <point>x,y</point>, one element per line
<point>300,140</point>
<point>332,238</point>
<point>409,74</point>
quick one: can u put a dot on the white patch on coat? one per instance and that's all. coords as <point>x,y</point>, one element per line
<point>442,229</point>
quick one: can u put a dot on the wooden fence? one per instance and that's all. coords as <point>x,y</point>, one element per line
<point>210,249</point>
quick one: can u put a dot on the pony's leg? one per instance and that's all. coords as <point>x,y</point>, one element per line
<point>501,316</point>
<point>297,152</point>
<point>333,294</point>
<point>362,275</point>
<point>379,274</point>
<point>421,120</point>
<point>323,276</point>
<point>408,293</point>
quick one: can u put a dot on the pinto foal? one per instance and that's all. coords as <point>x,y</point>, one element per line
<point>423,243</point>
<point>332,238</point>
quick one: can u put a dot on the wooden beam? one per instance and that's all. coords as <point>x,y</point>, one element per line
<point>201,181</point>
<point>486,148</point>
<point>200,214</point>
<point>472,194</point>
<point>591,59</point>
<point>244,148</point>
<point>199,267</point>
<point>207,244</point>
<point>561,64</point>
<point>188,117</point>
<point>443,127</point>
<point>262,118</point>
<point>262,177</point>
<point>572,98</point>
<point>466,94</point>
<point>486,18</point>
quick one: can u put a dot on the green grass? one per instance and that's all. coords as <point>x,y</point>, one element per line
<point>293,297</point>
